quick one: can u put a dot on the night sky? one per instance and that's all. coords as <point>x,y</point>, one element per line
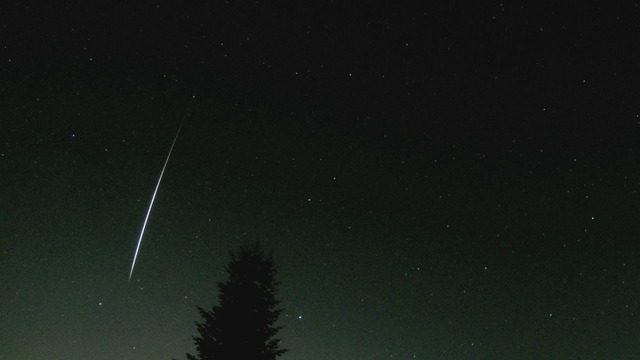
<point>437,181</point>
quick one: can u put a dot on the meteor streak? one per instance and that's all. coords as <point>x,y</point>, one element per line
<point>153,198</point>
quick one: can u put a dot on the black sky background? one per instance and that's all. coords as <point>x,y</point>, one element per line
<point>438,181</point>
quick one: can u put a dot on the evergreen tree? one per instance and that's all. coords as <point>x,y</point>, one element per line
<point>242,325</point>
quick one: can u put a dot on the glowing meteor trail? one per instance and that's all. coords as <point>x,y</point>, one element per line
<point>153,198</point>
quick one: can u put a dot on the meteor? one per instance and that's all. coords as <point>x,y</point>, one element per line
<point>153,198</point>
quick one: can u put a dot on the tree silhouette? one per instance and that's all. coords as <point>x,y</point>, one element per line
<point>242,325</point>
